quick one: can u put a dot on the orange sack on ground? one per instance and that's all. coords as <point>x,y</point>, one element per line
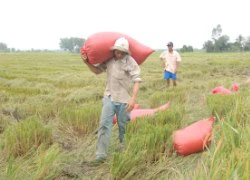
<point>220,90</point>
<point>193,138</point>
<point>137,112</point>
<point>235,87</point>
<point>97,47</point>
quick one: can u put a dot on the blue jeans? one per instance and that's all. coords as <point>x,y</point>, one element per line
<point>109,109</point>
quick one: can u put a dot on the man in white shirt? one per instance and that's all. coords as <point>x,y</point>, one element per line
<point>171,61</point>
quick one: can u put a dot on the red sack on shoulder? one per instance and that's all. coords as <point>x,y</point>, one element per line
<point>193,138</point>
<point>97,47</point>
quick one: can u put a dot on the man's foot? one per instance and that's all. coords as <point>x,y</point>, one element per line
<point>97,161</point>
<point>121,147</point>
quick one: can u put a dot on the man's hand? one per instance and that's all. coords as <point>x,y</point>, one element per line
<point>84,58</point>
<point>130,105</point>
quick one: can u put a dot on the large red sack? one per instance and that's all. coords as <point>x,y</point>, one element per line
<point>97,47</point>
<point>220,90</point>
<point>193,138</point>
<point>235,87</point>
<point>136,112</point>
<point>140,113</point>
<point>136,106</point>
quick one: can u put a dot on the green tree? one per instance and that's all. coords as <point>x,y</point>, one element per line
<point>240,42</point>
<point>72,44</point>
<point>216,32</point>
<point>247,44</point>
<point>221,44</point>
<point>3,47</point>
<point>208,46</point>
<point>186,48</point>
<point>234,46</point>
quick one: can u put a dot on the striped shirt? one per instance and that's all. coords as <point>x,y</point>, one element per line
<point>170,60</point>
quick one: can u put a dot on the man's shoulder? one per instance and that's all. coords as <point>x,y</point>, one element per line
<point>109,61</point>
<point>163,53</point>
<point>131,60</point>
<point>175,52</point>
<point>177,55</point>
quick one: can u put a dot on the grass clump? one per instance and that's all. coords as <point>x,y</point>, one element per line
<point>45,163</point>
<point>20,138</point>
<point>147,140</point>
<point>80,120</point>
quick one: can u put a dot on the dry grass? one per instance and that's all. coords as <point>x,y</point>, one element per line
<point>50,107</point>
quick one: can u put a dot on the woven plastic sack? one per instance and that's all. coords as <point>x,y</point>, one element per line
<point>220,90</point>
<point>193,138</point>
<point>137,112</point>
<point>235,87</point>
<point>97,47</point>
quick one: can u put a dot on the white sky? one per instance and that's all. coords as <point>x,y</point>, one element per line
<point>40,24</point>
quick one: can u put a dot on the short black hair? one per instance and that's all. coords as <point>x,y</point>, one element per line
<point>170,44</point>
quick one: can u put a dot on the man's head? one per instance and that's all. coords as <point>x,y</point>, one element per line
<point>170,46</point>
<point>121,48</point>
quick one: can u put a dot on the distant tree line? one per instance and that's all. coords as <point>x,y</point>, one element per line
<point>186,48</point>
<point>72,44</point>
<point>220,43</point>
<point>4,48</point>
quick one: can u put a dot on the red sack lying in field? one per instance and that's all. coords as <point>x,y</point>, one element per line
<point>235,87</point>
<point>220,90</point>
<point>193,138</point>
<point>97,47</point>
<point>137,106</point>
<point>136,112</point>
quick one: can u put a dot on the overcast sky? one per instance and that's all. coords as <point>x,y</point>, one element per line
<point>39,24</point>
